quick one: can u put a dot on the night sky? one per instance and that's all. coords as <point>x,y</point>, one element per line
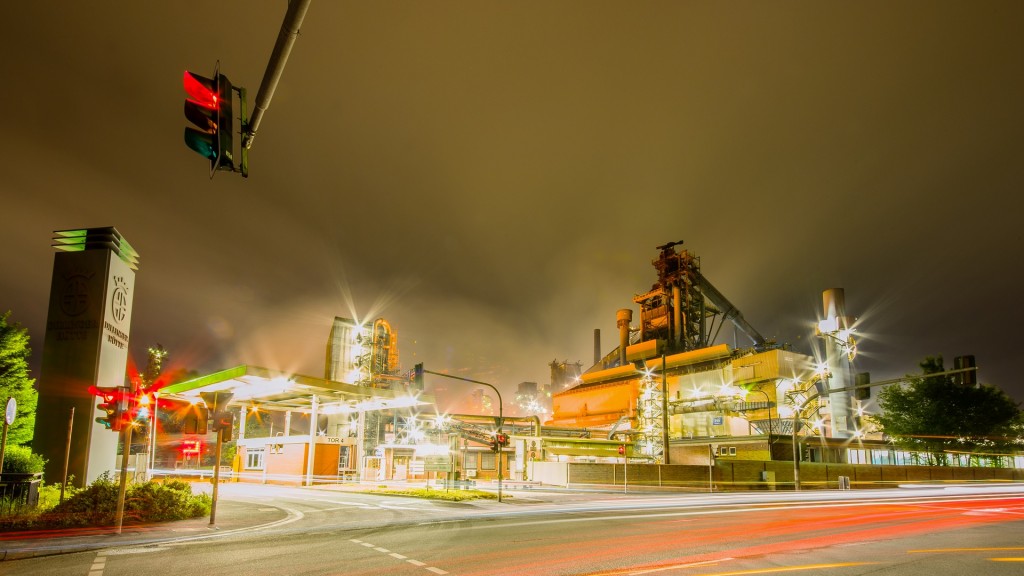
<point>493,177</point>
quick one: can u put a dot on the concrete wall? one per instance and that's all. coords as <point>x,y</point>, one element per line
<point>749,474</point>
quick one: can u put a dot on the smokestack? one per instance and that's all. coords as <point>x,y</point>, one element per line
<point>597,346</point>
<point>622,319</point>
<point>834,306</point>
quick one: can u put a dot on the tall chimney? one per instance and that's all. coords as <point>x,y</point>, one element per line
<point>622,319</point>
<point>597,346</point>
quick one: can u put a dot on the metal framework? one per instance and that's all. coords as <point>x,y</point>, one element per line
<point>650,423</point>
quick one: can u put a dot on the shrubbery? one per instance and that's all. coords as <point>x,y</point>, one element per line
<point>21,459</point>
<point>96,505</point>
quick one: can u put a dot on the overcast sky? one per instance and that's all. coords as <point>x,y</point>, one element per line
<point>493,177</point>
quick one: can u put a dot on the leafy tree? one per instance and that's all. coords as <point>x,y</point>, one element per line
<point>936,415</point>
<point>14,380</point>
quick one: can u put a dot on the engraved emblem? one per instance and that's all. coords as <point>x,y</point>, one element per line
<point>74,299</point>
<point>119,300</point>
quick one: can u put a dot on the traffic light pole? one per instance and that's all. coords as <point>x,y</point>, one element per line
<point>125,451</point>
<point>501,417</point>
<point>216,478</point>
<point>275,67</point>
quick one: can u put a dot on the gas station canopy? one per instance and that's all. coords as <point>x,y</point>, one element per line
<point>275,390</point>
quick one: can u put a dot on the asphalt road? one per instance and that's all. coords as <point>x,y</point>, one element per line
<point>930,532</point>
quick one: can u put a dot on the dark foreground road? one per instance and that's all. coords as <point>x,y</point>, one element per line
<point>932,533</point>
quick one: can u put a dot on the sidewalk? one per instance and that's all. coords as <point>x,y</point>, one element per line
<point>232,516</point>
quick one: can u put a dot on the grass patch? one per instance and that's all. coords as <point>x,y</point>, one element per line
<point>451,495</point>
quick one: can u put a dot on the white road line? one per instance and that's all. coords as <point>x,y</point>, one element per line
<point>397,555</point>
<point>367,544</point>
<point>416,562</point>
<point>356,541</point>
<point>436,570</point>
<point>384,550</point>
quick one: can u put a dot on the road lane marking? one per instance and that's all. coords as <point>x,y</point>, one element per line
<point>781,569</point>
<point>688,565</point>
<point>933,550</point>
<point>382,550</point>
<point>1007,559</point>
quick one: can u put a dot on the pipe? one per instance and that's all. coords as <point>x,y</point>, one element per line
<point>677,315</point>
<point>597,346</point>
<point>622,319</point>
<point>729,311</point>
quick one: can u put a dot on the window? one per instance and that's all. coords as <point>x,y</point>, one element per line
<point>254,459</point>
<point>469,462</point>
<point>487,460</point>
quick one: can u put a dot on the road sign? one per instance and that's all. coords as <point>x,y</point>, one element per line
<point>437,464</point>
<point>12,411</point>
<point>717,421</point>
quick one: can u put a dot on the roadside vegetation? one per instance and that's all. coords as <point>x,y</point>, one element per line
<point>96,505</point>
<point>451,495</point>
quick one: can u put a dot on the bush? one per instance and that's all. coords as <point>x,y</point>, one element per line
<point>21,459</point>
<point>151,501</point>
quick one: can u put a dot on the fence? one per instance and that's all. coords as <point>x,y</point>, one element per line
<point>759,475</point>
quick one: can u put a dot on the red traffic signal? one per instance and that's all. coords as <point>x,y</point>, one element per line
<point>622,449</point>
<point>222,423</point>
<point>209,110</point>
<point>499,441</point>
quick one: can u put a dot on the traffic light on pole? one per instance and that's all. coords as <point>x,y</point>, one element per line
<point>209,109</point>
<point>622,449</point>
<point>223,422</point>
<point>110,404</point>
<point>417,376</point>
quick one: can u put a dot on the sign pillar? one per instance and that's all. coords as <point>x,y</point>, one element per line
<point>86,344</point>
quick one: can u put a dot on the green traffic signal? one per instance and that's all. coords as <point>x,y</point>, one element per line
<point>111,405</point>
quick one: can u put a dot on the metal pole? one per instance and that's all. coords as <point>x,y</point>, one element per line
<point>664,411</point>
<point>711,463</point>
<point>67,453</point>
<point>275,67</point>
<point>152,440</point>
<point>216,478</point>
<point>3,446</point>
<point>126,434</point>
<point>796,453</point>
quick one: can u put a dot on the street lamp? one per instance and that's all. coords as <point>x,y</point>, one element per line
<point>501,417</point>
<point>768,401</point>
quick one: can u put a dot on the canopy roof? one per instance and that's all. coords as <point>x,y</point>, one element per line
<point>281,391</point>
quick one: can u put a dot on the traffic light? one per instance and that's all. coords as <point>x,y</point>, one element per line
<point>222,422</point>
<point>195,422</point>
<point>622,449</point>
<point>111,404</point>
<point>417,376</point>
<point>499,441</point>
<point>209,109</point>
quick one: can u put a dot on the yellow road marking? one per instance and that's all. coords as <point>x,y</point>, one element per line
<point>964,550</point>
<point>1007,559</point>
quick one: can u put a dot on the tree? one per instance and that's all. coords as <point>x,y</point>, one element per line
<point>938,416</point>
<point>14,380</point>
